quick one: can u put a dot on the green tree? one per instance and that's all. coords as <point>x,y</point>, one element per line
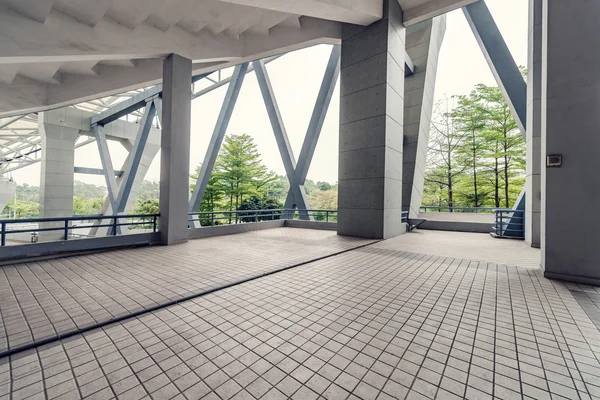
<point>469,119</point>
<point>507,146</point>
<point>240,169</point>
<point>324,186</point>
<point>258,203</point>
<point>278,188</point>
<point>213,194</point>
<point>148,190</point>
<point>443,169</point>
<point>238,174</point>
<point>149,206</point>
<point>84,206</point>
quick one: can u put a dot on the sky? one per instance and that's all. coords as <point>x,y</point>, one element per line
<point>296,78</point>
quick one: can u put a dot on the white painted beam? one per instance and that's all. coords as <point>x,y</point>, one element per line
<point>8,73</point>
<point>132,13</point>
<point>26,95</point>
<point>89,12</point>
<point>418,11</point>
<point>37,10</point>
<point>361,12</point>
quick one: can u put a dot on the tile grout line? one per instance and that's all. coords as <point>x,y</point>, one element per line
<point>134,314</point>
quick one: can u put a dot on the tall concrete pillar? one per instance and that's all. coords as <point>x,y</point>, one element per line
<point>371,119</point>
<point>57,176</point>
<point>534,125</point>
<point>175,149</point>
<point>423,43</point>
<point>570,122</point>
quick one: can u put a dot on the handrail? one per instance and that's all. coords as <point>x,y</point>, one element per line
<point>475,210</point>
<point>77,218</point>
<point>67,228</point>
<point>509,223</point>
<point>237,216</point>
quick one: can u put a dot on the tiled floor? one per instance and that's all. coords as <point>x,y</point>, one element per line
<point>470,246</point>
<point>47,298</point>
<point>375,322</point>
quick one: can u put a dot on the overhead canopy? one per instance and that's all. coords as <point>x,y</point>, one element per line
<point>60,52</point>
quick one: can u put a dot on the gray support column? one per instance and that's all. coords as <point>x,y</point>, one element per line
<point>57,174</point>
<point>175,149</point>
<point>332,72</point>
<point>208,163</point>
<point>501,62</point>
<point>570,121</point>
<point>534,120</point>
<point>423,43</point>
<point>283,143</point>
<point>371,119</point>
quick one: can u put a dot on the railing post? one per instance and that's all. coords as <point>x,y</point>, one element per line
<point>66,229</point>
<point>327,216</point>
<point>115,226</point>
<point>212,218</point>
<point>3,234</point>
<point>154,224</point>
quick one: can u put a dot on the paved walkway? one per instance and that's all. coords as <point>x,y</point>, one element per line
<point>373,323</point>
<point>470,246</point>
<point>43,299</point>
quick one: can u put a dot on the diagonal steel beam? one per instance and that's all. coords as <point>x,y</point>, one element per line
<point>233,91</point>
<point>134,103</point>
<point>281,137</point>
<point>317,119</point>
<point>498,56</point>
<point>107,165</point>
<point>136,155</point>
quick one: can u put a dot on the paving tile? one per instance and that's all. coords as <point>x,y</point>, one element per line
<point>375,323</point>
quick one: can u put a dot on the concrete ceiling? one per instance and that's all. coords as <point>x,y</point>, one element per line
<point>58,52</point>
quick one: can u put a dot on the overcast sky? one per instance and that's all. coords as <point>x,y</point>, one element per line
<point>296,78</point>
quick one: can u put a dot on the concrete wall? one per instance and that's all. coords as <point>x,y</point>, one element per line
<point>69,247</point>
<point>294,223</point>
<point>534,125</point>
<point>570,123</point>
<point>458,222</point>
<point>221,230</point>
<point>371,119</point>
<point>483,218</point>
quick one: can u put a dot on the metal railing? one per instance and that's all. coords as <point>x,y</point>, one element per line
<point>212,218</point>
<point>509,223</point>
<point>475,210</point>
<point>64,224</point>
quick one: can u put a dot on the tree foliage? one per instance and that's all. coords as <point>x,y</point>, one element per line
<point>238,175</point>
<point>477,153</point>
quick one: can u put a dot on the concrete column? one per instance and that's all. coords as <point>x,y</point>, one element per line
<point>57,176</point>
<point>175,149</point>
<point>534,121</point>
<point>371,119</point>
<point>570,120</point>
<point>423,43</point>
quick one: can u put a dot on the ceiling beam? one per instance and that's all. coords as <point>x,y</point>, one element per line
<point>429,9</point>
<point>361,12</point>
